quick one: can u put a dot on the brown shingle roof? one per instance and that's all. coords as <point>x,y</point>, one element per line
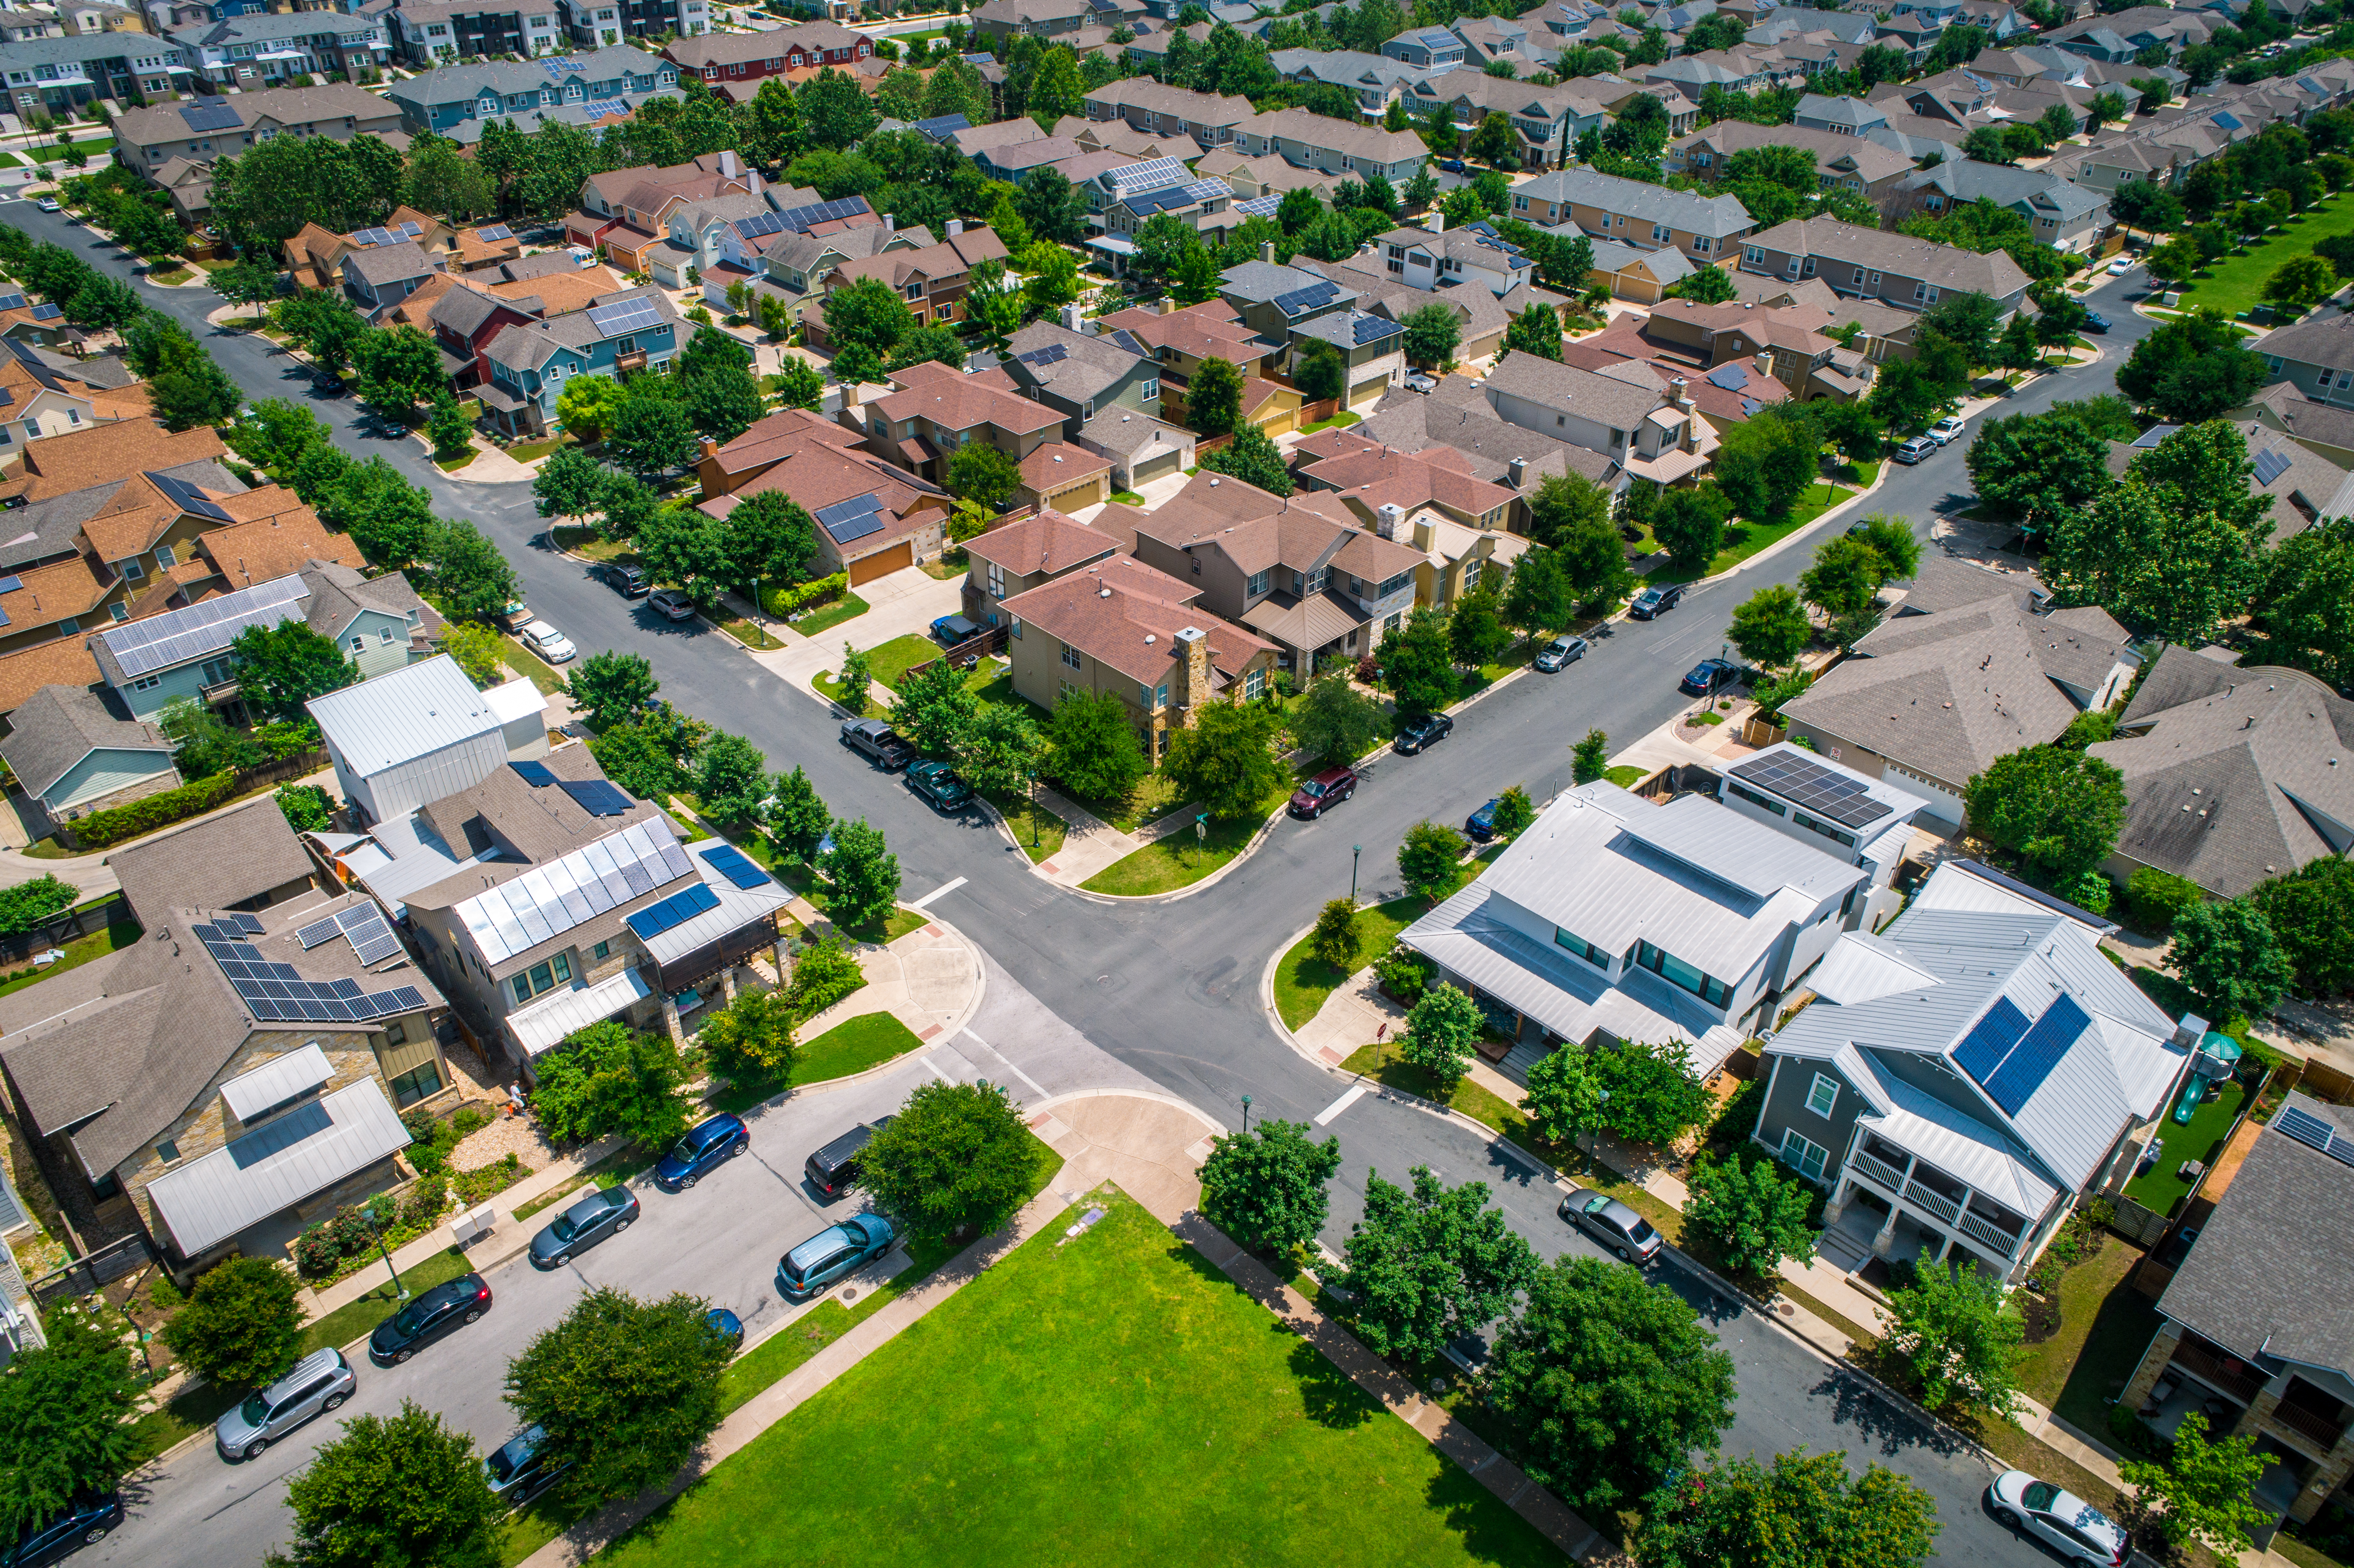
<point>84,457</point>
<point>1048,542</point>
<point>1124,614</point>
<point>250,552</point>
<point>64,662</point>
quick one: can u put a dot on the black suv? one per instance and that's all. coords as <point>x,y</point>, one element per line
<point>879,741</point>
<point>1654,601</point>
<point>1427,730</point>
<point>833,1170</point>
<point>629,581</point>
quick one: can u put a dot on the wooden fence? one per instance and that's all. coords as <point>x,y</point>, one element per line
<point>991,639</point>
<point>88,920</point>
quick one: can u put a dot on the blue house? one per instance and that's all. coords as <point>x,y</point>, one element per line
<point>618,335</point>
<point>461,100</point>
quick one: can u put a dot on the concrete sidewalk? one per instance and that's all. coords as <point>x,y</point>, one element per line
<point>902,604</point>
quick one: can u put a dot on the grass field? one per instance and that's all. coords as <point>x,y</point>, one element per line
<point>2159,1189</point>
<point>1177,861</point>
<point>1107,1398</point>
<point>851,1047</point>
<point>1039,831</point>
<point>849,607</point>
<point>80,951</point>
<point>2235,285</point>
<point>1302,981</point>
<point>523,661</point>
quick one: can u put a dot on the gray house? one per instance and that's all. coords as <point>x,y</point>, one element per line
<point>1876,264</point>
<point>1080,375</point>
<point>73,754</point>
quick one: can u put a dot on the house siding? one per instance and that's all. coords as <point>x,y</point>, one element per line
<point>111,772</point>
<point>1785,1110</point>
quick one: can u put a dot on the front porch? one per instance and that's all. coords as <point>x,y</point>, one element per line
<point>1890,1203</point>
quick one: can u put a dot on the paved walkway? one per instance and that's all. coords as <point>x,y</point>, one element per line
<point>905,603</point>
<point>929,979</point>
<point>1089,843</point>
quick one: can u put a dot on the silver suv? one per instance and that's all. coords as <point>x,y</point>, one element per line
<point>318,1382</point>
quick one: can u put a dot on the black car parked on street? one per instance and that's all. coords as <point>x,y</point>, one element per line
<point>447,1306</point>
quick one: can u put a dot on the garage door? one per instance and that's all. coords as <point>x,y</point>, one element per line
<point>1086,493</point>
<point>1145,473</point>
<point>1369,391</point>
<point>866,568</point>
<point>1283,424</point>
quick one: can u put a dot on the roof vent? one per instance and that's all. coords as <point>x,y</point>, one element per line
<point>1104,592</point>
<point>1147,640</point>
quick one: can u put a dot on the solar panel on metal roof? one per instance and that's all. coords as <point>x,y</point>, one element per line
<point>2014,1083</point>
<point>737,867</point>
<point>47,312</point>
<point>2271,463</point>
<point>496,231</point>
<point>677,909</point>
<point>187,497</point>
<point>1845,800</point>
<point>1990,1039</point>
<point>595,796</point>
<point>534,774</point>
<point>177,635</point>
<point>624,317</point>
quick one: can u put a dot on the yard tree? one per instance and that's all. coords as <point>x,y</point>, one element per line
<point>1689,524</point>
<point>867,314</point>
<point>633,755</point>
<point>2306,602</point>
<point>305,808</point>
<point>398,366</point>
<point>2019,347</point>
<point>1564,505</point>
<point>721,403</point>
<point>280,667</point>
<point>2202,1494</point>
<point>856,675</point>
<point>450,428</point>
<point>999,748</point>
<point>1429,860</point>
<point>1224,760</point>
<point>1418,666</point>
<point>1092,749</point>
<point>1590,758</point>
<point>2300,282</point>
<point>864,875</point>
<point>2229,956</point>
<point>1845,576</point>
<point>2205,468</point>
<point>1252,458</point>
<point>980,473</point>
<point>65,1410</point>
<point>1054,210</point>
<point>710,349</point>
<point>1954,1329</point>
<point>1563,1099</point>
<point>611,1078</point>
<point>1613,1381</point>
<point>1653,1096</point>
<point>1440,1034</point>
<point>797,816</point>
<point>2309,911</point>
<point>797,383</point>
<point>623,1391</point>
<point>1053,277</point>
<point>1336,941</point>
<point>752,1039</point>
<point>652,431</point>
<point>1770,627</point>
<point>1892,540</point>
<point>1803,1510</point>
<point>1535,331</point>
<point>586,406</point>
<point>1429,1264</point>
<point>687,550</point>
<point>247,283</point>
<point>1214,402</point>
<point>609,688</point>
<point>1755,1216</point>
<point>394,1491</point>
<point>570,483</point>
<point>1514,811</point>
<point>2191,368</point>
<point>731,776</point>
<point>241,1325</point>
<point>1268,1187</point>
<point>1708,284</point>
<point>836,112</point>
<point>768,538</point>
<point>1475,633</point>
<point>955,1162</point>
<point>1336,721</point>
<point>2038,467</point>
<point>934,707</point>
<point>1320,371</point>
<point>1765,464</point>
<point>1432,332</point>
<point>2058,811</point>
<point>1538,597</point>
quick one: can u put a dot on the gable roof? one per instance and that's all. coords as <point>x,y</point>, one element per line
<point>1608,400</point>
<point>57,727</point>
<point>1048,542</point>
<point>1125,614</point>
<point>219,861</point>
<point>1993,274</point>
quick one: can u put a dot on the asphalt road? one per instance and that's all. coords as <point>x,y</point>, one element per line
<point>1173,990</point>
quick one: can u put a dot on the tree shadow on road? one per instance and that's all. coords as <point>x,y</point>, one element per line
<point>1860,1403</point>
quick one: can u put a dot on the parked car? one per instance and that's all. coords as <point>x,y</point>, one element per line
<point>1946,429</point>
<point>1480,825</point>
<point>833,1170</point>
<point>1421,381</point>
<point>700,1150</point>
<point>84,1522</point>
<point>551,645</point>
<point>447,1306</point>
<point>516,1472</point>
<point>672,604</point>
<point>833,1253</point>
<point>2095,322</point>
<point>515,617</point>
<point>1613,1223</point>
<point>48,204</point>
<point>1655,602</point>
<point>1709,677</point>
<point>1327,789</point>
<point>327,384</point>
<point>1560,651</point>
<point>938,782</point>
<point>2121,266</point>
<point>629,581</point>
<point>1428,730</point>
<point>1452,165</point>
<point>727,1324</point>
<point>318,1382</point>
<point>2060,1519</point>
<point>879,741</point>
<point>608,1211</point>
<point>950,629</point>
<point>1913,450</point>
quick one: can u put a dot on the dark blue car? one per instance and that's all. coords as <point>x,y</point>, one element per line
<point>702,1147</point>
<point>2095,321</point>
<point>86,1520</point>
<point>1482,824</point>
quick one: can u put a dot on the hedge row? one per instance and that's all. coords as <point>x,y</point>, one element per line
<point>149,812</point>
<point>820,590</point>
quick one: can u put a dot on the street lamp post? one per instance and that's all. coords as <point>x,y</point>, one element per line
<point>1245,1115</point>
<point>1356,853</point>
<point>400,1291</point>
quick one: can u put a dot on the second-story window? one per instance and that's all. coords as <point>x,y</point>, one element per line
<point>1260,582</point>
<point>1070,657</point>
<point>996,580</point>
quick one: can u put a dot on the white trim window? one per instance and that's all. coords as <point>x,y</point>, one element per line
<point>1803,1154</point>
<point>1823,1095</point>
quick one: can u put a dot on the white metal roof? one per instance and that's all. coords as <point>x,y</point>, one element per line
<point>545,1024</point>
<point>411,712</point>
<point>738,908</point>
<point>516,699</point>
<point>278,1165</point>
<point>549,900</point>
<point>278,1080</point>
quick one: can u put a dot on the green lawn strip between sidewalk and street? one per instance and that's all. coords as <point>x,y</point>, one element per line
<point>1177,859</point>
<point>751,636</point>
<point>2235,285</point>
<point>853,1046</point>
<point>353,1319</point>
<point>1303,980</point>
<point>585,541</point>
<point>611,1171</point>
<point>1173,1392</point>
<point>523,661</point>
<point>1028,824</point>
<point>1742,540</point>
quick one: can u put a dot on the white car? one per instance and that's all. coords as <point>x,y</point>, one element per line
<point>1944,429</point>
<point>48,204</point>
<point>2081,1533</point>
<point>2121,266</point>
<point>550,644</point>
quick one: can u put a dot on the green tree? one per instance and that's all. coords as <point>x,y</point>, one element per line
<point>1590,758</point>
<point>836,112</point>
<point>999,749</point>
<point>2037,468</point>
<point>1268,1187</point>
<point>245,283</point>
<point>1430,859</point>
<point>2202,1494</point>
<point>1055,209</point>
<point>1959,1335</point>
<point>586,406</point>
<point>1770,627</point>
<point>1707,284</point>
<point>622,1390</point>
<point>797,383</point>
<point>1320,371</point>
<point>1225,760</point>
<point>752,1039</point>
<point>2301,282</point>
<point>1765,465</point>
<point>1418,664</point>
<point>2309,912</point>
<point>1214,402</point>
<point>721,403</point>
<point>867,314</point>
<point>610,688</point>
<point>1564,1098</point>
<point>1475,633</point>
<point>1538,598</point>
<point>571,483</point>
<point>652,431</point>
<point>444,182</point>
<point>1514,811</point>
<point>608,1079</point>
<point>980,473</point>
<point>1536,330</point>
<point>865,876</point>
<point>1336,941</point>
<point>1429,1264</point>
<point>1432,332</point>
<point>64,1412</point>
<point>1441,1034</point>
<point>1653,1096</point>
<point>731,776</point>
<point>450,428</point>
<point>2191,368</point>
<point>398,367</point>
<point>1806,1511</point>
<point>769,538</point>
<point>1336,721</point>
<point>2058,811</point>
<point>935,706</point>
<point>1845,575</point>
<point>400,1492</point>
<point>1755,1215</point>
<point>2174,571</point>
<point>1689,525</point>
<point>634,757</point>
<point>955,1162</point>
<point>240,1326</point>
<point>798,819</point>
<point>2306,603</point>
<point>1092,749</point>
<point>280,667</point>
<point>2229,956</point>
<point>1892,540</point>
<point>856,675</point>
<point>1252,459</point>
<point>684,548</point>
<point>304,806</point>
<point>1612,1382</point>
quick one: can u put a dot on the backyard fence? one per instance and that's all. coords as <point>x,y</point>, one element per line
<point>991,639</point>
<point>2137,1223</point>
<point>84,1275</point>
<point>91,917</point>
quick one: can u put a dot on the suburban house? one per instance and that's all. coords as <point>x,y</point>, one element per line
<point>798,259</point>
<point>2326,430</point>
<point>725,470</point>
<point>1015,557</point>
<point>2316,356</point>
<point>234,51</point>
<point>61,76</point>
<point>1640,277</point>
<point>2233,776</point>
<point>1842,162</point>
<point>244,857</point>
<point>1934,698</point>
<point>1334,146</point>
<point>1790,344</point>
<point>875,514</point>
<point>1432,49</point>
<point>45,394</point>
<point>1178,341</point>
<point>378,277</point>
<point>1641,421</point>
<point>408,737</point>
<point>939,412</point>
<point>619,336</point>
<point>604,23</point>
<point>733,64</point>
<point>1140,448</point>
<point>166,1092</point>
<point>1896,269</point>
<point>314,256</point>
<point>1425,259</point>
<point>439,32</point>
<point>2250,1320</point>
<point>1966,1077</point>
<point>1080,374</point>
<point>1647,216</point>
<point>2065,216</point>
<point>1456,414</point>
<point>1118,628</point>
<point>1146,105</point>
<point>625,213</point>
<point>460,101</point>
<point>1615,919</point>
<point>1002,21</point>
<point>1374,80</point>
<point>932,279</point>
<point>199,131</point>
<point>1428,499</point>
<point>72,754</point>
<point>1546,121</point>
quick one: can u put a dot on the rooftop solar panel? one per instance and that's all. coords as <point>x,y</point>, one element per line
<point>187,497</point>
<point>2014,1083</point>
<point>1730,378</point>
<point>245,923</point>
<point>595,796</point>
<point>1845,800</point>
<point>318,931</point>
<point>496,231</point>
<point>2271,463</point>
<point>367,239</point>
<point>760,223</point>
<point>621,867</point>
<point>208,117</point>
<point>737,867</point>
<point>1130,342</point>
<point>178,635</point>
<point>1990,1039</point>
<point>853,519</point>
<point>2304,1127</point>
<point>12,302</point>
<point>1053,354</point>
<point>560,68</point>
<point>2153,435</point>
<point>1372,329</point>
<point>47,312</point>
<point>675,910</point>
<point>624,317</point>
<point>534,774</point>
<point>412,230</point>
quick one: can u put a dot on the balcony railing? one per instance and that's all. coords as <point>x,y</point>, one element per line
<point>2310,1425</point>
<point>1979,1230</point>
<point>220,690</point>
<point>625,362</point>
<point>1937,1203</point>
<point>1877,1170</point>
<point>2243,1384</point>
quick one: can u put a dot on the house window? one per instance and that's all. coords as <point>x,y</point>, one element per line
<point>542,978</point>
<point>1070,657</point>
<point>1754,799</point>
<point>1829,832</point>
<point>1013,628</point>
<point>601,950</point>
<point>147,684</point>
<point>1582,948</point>
<point>996,580</point>
<point>1259,583</point>
<point>1677,972</point>
<point>1150,391</point>
<point>359,643</point>
<point>1254,683</point>
<point>168,1151</point>
<point>69,625</point>
<point>1824,1095</point>
<point>415,1084</point>
<point>1752,254</point>
<point>119,611</point>
<point>1804,1154</point>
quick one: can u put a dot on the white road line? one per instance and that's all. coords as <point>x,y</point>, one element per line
<point>932,1067</point>
<point>1344,1103</point>
<point>1009,1062</point>
<point>945,888</point>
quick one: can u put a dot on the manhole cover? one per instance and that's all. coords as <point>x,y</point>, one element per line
<point>851,1294</point>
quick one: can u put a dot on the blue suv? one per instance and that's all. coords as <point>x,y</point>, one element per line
<point>700,1150</point>
<point>833,1253</point>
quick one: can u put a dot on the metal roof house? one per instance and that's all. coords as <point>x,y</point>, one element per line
<point>1965,1078</point>
<point>409,738</point>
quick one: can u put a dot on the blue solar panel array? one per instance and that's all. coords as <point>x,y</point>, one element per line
<point>760,223</point>
<point>187,497</point>
<point>852,520</point>
<point>278,993</point>
<point>595,796</point>
<point>47,312</point>
<point>1372,329</point>
<point>1306,299</point>
<point>1984,1047</point>
<point>2271,463</point>
<point>736,867</point>
<point>675,910</point>
<point>1732,377</point>
<point>801,219</point>
<point>1053,354</point>
<point>208,117</point>
<point>12,302</point>
<point>534,774</point>
<point>2023,1071</point>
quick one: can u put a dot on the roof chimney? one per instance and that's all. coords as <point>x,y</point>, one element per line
<point>1391,516</point>
<point>1765,361</point>
<point>956,226</point>
<point>1516,472</point>
<point>1437,220</point>
<point>1676,394</point>
<point>1071,319</point>
<point>890,224</point>
<point>1266,251</point>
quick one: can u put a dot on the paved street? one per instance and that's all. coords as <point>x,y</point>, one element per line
<point>1169,991</point>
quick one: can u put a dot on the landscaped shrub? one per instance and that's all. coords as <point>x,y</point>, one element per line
<point>823,974</point>
<point>804,595</point>
<point>28,903</point>
<point>147,814</point>
<point>426,1201</point>
<point>1405,976</point>
<point>483,1182</point>
<point>2154,897</point>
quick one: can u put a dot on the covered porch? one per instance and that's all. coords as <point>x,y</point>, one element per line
<point>1894,1201</point>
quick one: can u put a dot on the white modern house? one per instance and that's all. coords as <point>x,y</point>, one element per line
<point>409,738</point>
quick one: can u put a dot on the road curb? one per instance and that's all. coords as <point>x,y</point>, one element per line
<point>1206,883</point>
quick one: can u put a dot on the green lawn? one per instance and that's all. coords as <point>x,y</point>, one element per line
<point>2101,1338</point>
<point>1339,421</point>
<point>2235,285</point>
<point>80,951</point>
<point>751,636</point>
<point>827,617</point>
<point>1383,1064</point>
<point>1626,775</point>
<point>851,1047</point>
<point>586,541</point>
<point>611,1171</point>
<point>1177,861</point>
<point>1742,540</point>
<point>1039,831</point>
<point>523,661</point>
<point>180,1419</point>
<point>352,1319</point>
<point>1107,1398</point>
<point>1302,981</point>
<point>2161,1188</point>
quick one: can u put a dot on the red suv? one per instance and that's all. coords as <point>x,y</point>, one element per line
<point>1329,788</point>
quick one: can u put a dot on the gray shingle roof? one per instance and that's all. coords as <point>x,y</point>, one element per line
<point>57,727</point>
<point>1085,366</point>
<point>1606,400</point>
<point>214,862</point>
<point>1687,210</point>
<point>391,263</point>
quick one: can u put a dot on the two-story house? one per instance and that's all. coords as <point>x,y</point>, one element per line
<point>460,101</point>
<point>1010,560</point>
<point>1546,121</point>
<point>937,412</point>
<point>1374,80</point>
<point>60,76</point>
<point>931,279</point>
<point>243,50</point>
<point>1002,21</point>
<point>600,24</point>
<point>1649,217</point>
<point>2064,216</point>
<point>1844,162</point>
<point>1334,146</point>
<point>1429,48</point>
<point>314,256</point>
<point>1209,118</point>
<point>734,64</point>
<point>619,336</point>
<point>378,277</point>
<point>1178,341</point>
<point>73,754</point>
<point>1082,375</point>
<point>1449,258</point>
<point>1641,421</point>
<point>875,512</point>
<point>795,262</point>
<point>2315,357</point>
<point>201,129</point>
<point>1878,264</point>
<point>442,32</point>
